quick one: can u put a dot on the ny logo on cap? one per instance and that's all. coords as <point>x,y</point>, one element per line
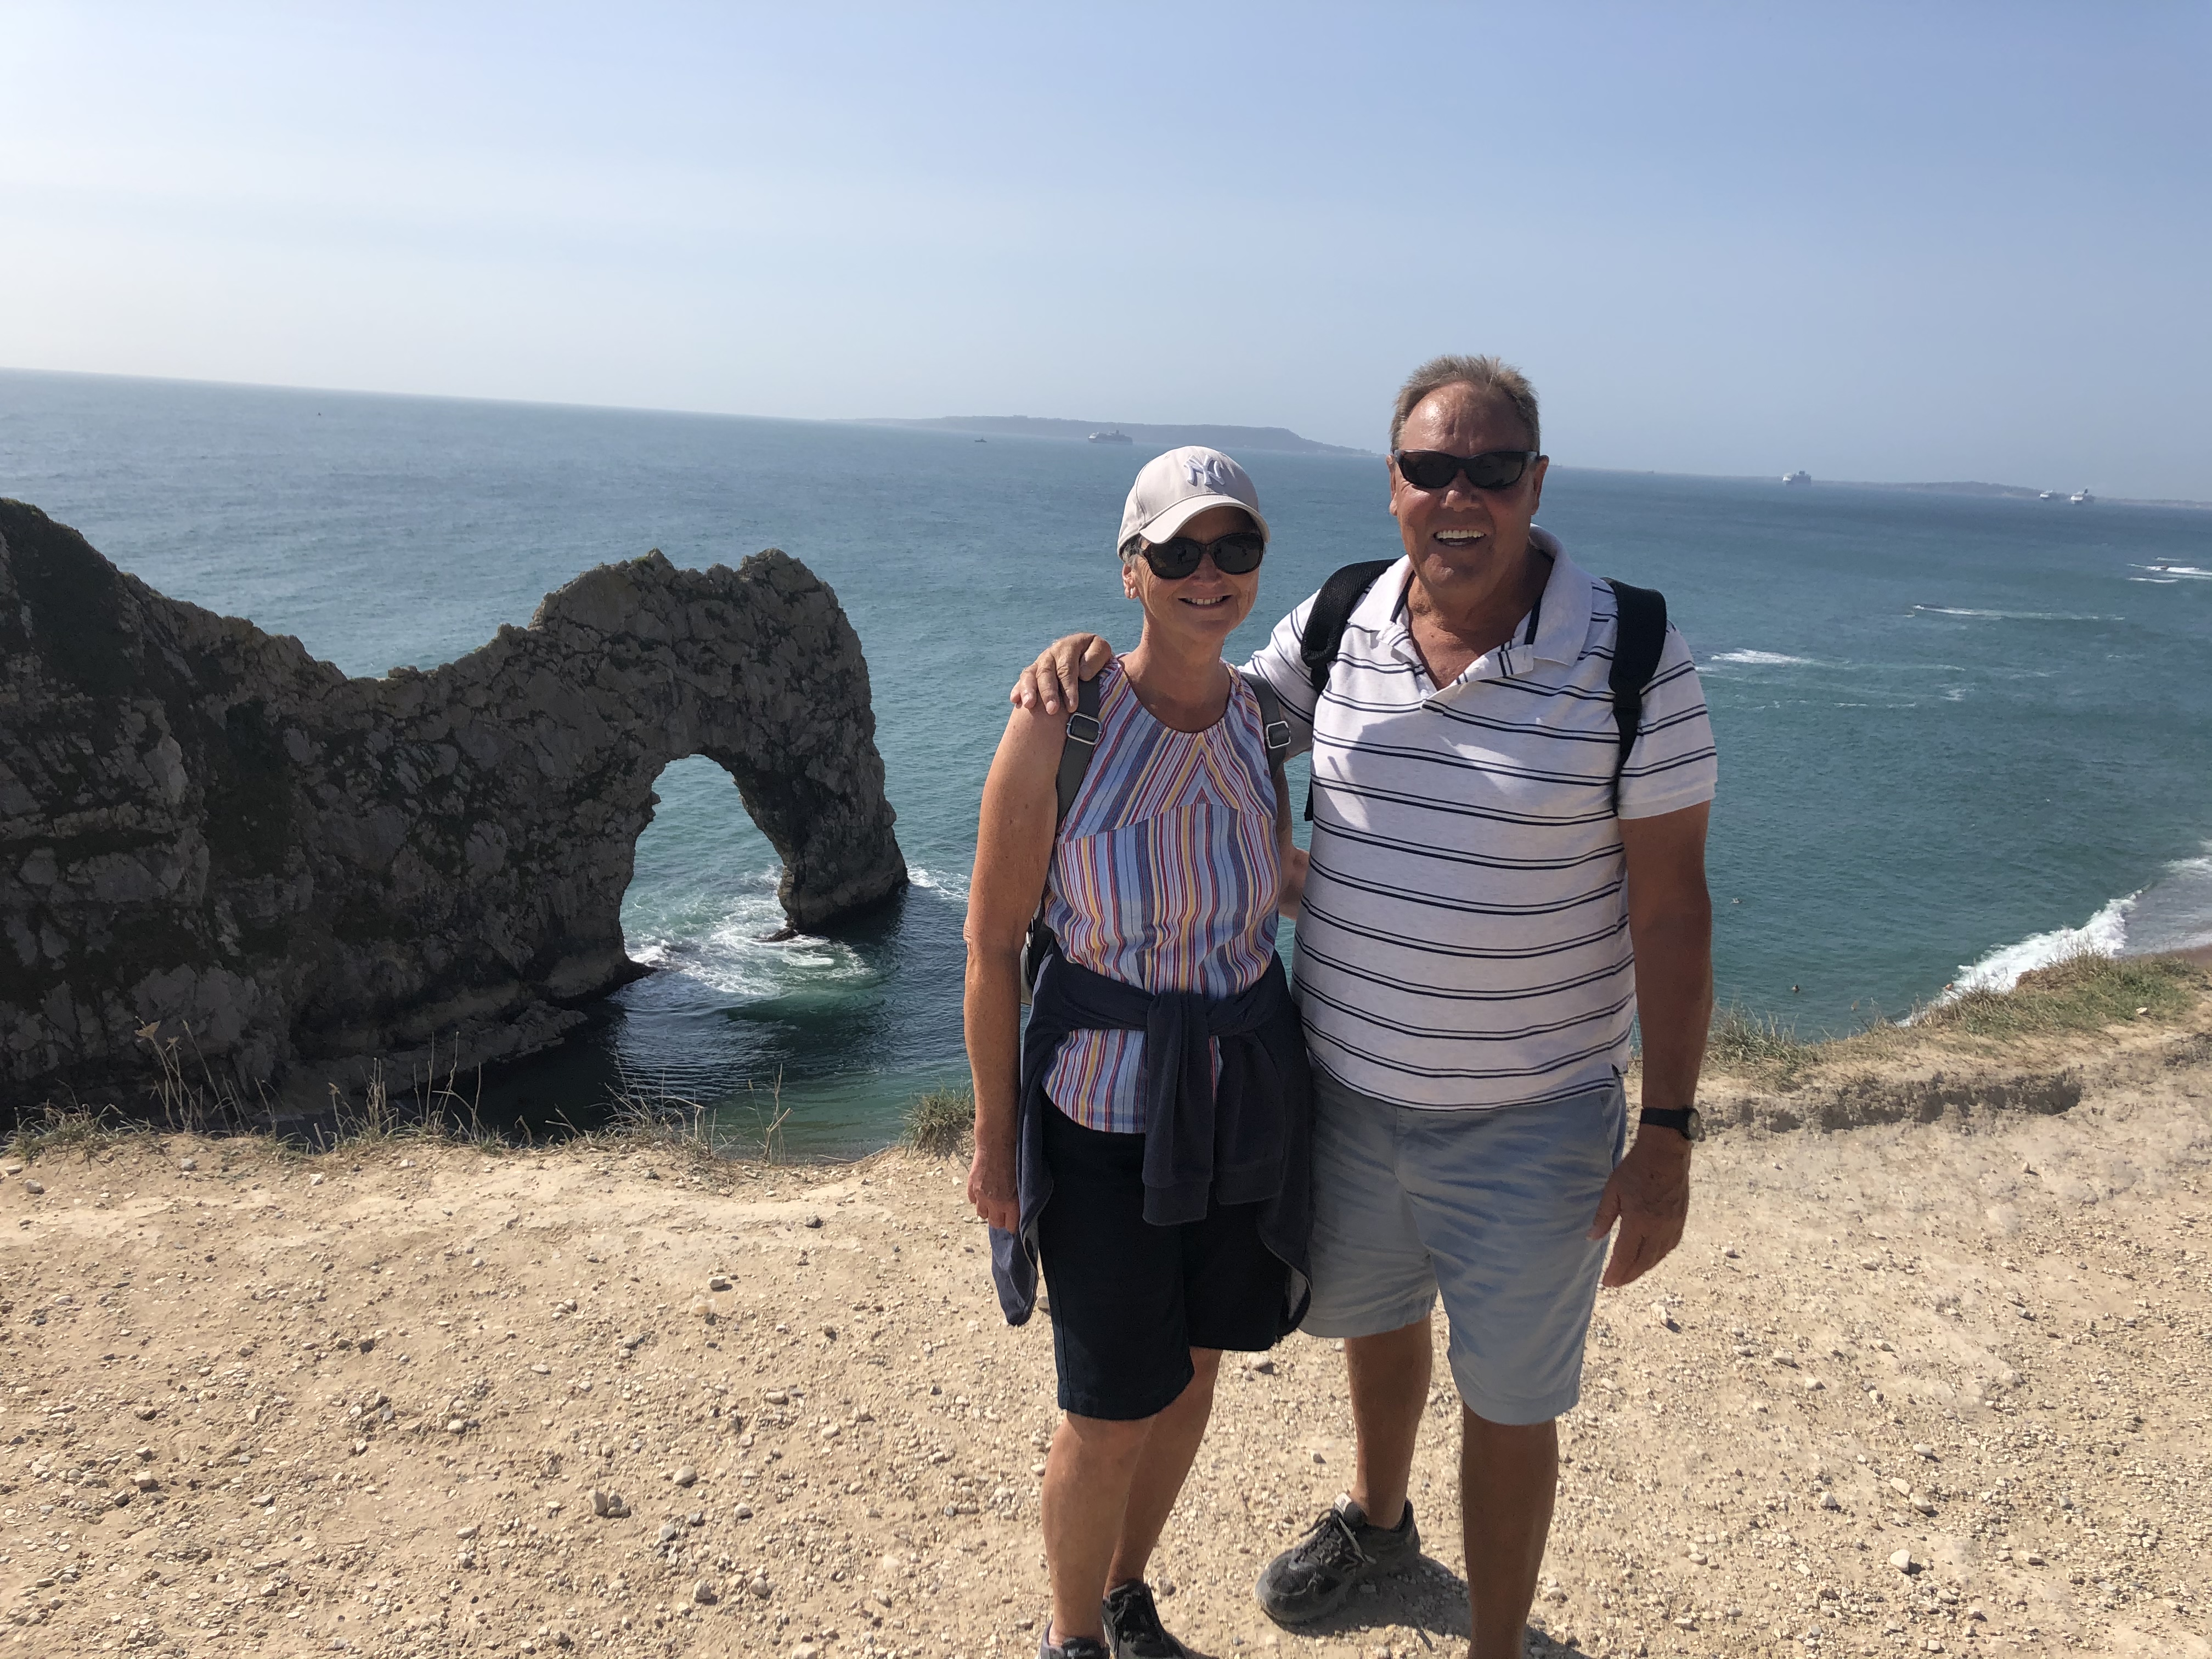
<point>1209,472</point>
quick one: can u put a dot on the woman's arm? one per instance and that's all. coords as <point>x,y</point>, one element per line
<point>1013,852</point>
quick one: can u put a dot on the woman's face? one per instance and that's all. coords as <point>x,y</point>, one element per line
<point>1206,605</point>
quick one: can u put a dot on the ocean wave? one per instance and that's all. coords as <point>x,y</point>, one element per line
<point>2161,582</point>
<point>2174,573</point>
<point>2173,912</point>
<point>2105,934</point>
<point>2017,615</point>
<point>1761,659</point>
<point>733,944</point>
<point>954,887</point>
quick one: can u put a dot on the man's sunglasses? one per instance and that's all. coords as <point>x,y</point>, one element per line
<point>1494,469</point>
<point>1234,555</point>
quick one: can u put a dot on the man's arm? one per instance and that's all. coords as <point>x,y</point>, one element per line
<point>1670,925</point>
<point>1048,684</point>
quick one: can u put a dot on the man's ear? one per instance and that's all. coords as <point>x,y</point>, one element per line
<point>1536,495</point>
<point>1390,471</point>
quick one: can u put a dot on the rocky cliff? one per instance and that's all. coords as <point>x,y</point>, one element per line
<point>202,824</point>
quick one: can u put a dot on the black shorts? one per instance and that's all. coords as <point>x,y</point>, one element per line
<point>1131,1300</point>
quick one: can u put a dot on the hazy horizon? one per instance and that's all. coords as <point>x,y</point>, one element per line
<point>932,422</point>
<point>1880,242</point>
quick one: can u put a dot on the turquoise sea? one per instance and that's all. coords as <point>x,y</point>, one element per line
<point>1959,735</point>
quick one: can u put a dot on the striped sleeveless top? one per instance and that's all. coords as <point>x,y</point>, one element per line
<point>1165,877</point>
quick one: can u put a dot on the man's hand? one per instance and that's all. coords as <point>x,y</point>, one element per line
<point>1049,683</point>
<point>991,1187</point>
<point>1648,1195</point>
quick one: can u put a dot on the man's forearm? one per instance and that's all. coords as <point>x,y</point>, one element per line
<point>1675,1002</point>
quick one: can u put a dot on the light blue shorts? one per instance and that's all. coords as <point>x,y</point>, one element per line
<point>1490,1207</point>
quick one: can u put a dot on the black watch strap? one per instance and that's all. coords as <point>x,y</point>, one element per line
<point>1683,1119</point>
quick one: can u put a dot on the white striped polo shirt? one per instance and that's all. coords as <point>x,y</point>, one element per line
<point>1464,937</point>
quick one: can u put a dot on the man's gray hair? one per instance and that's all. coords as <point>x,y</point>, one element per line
<point>1484,374</point>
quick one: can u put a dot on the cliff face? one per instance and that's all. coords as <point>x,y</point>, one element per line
<point>201,823</point>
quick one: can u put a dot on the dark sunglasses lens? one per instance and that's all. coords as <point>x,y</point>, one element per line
<point>1431,468</point>
<point>1427,469</point>
<point>1171,561</point>
<point>1497,469</point>
<point>1239,552</point>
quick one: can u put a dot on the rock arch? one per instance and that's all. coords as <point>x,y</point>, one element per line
<point>201,822</point>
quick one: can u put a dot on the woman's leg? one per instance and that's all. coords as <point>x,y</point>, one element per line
<point>1161,1468</point>
<point>1087,1478</point>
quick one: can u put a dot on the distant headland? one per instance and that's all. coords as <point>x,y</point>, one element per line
<point>1231,437</point>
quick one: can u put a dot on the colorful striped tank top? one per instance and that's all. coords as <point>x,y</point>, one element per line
<point>1165,877</point>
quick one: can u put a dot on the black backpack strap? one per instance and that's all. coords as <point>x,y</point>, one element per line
<point>1079,746</point>
<point>1323,635</point>
<point>1638,639</point>
<point>1077,749</point>
<point>1275,733</point>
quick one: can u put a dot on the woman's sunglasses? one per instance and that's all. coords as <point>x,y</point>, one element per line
<point>1234,555</point>
<point>1494,469</point>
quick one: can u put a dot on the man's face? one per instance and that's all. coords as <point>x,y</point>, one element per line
<point>1465,541</point>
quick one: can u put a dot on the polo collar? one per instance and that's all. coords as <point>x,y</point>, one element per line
<point>1563,611</point>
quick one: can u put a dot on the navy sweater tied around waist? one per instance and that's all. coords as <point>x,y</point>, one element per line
<point>1246,1140</point>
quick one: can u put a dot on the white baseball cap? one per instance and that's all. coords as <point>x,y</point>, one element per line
<point>1174,489</point>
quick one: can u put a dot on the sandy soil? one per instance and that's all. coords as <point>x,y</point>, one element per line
<point>257,1403</point>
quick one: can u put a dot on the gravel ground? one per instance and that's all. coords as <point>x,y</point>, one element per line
<point>1921,1387</point>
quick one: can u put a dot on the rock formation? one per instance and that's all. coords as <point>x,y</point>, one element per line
<point>202,824</point>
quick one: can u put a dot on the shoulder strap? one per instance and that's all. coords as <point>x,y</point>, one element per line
<point>1323,635</point>
<point>1638,639</point>
<point>1274,730</point>
<point>1078,746</point>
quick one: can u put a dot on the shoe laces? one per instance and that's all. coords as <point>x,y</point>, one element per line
<point>1136,1616</point>
<point>1330,1541</point>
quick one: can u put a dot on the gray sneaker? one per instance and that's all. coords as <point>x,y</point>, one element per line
<point>1075,1647</point>
<point>1311,1579</point>
<point>1133,1630</point>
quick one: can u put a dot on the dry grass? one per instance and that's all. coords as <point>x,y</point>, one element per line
<point>937,1123</point>
<point>2081,994</point>
<point>1756,1045</point>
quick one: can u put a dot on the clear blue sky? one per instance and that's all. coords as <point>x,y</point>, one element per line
<point>1919,241</point>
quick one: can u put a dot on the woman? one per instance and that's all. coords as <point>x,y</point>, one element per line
<point>1146,1140</point>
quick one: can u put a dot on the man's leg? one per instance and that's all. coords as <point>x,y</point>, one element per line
<point>1389,1381</point>
<point>1161,1469</point>
<point>1508,1475</point>
<point>1087,1477</point>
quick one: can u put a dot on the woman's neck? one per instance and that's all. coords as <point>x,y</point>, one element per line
<point>1183,685</point>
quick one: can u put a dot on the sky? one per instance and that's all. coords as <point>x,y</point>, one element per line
<point>1906,242</point>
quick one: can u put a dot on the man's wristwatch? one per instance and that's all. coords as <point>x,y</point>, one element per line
<point>1684,1120</point>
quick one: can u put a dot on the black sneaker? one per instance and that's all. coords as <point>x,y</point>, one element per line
<point>1133,1630</point>
<point>1075,1647</point>
<point>1311,1579</point>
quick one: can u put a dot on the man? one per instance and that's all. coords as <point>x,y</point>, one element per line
<point>1485,912</point>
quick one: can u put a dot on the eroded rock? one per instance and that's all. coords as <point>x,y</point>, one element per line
<point>202,824</point>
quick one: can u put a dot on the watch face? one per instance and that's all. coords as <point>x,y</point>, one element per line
<point>1693,1124</point>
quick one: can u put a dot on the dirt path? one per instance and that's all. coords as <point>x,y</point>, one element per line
<point>253,1403</point>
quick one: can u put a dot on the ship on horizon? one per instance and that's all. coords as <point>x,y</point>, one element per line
<point>1112,435</point>
<point>1800,478</point>
<point>2082,498</point>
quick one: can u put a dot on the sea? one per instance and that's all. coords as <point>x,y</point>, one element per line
<point>1959,736</point>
